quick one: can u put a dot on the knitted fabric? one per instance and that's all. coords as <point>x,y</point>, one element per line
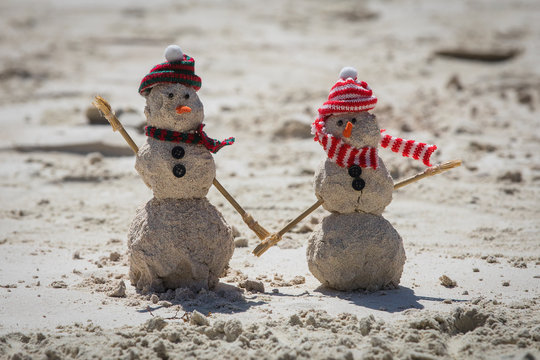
<point>348,95</point>
<point>198,137</point>
<point>408,148</point>
<point>182,72</point>
<point>346,155</point>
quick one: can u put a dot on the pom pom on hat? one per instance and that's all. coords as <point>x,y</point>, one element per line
<point>173,53</point>
<point>348,72</point>
<point>179,68</point>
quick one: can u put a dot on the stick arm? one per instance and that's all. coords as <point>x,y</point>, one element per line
<point>261,232</point>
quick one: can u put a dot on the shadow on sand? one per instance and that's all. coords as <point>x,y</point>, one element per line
<point>224,299</point>
<point>395,300</point>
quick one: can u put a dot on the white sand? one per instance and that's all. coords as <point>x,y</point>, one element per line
<point>265,69</point>
<point>356,251</point>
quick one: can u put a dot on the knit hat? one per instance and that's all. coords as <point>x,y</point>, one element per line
<point>348,95</point>
<point>179,68</point>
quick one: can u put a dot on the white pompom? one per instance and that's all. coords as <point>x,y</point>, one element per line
<point>173,53</point>
<point>348,72</point>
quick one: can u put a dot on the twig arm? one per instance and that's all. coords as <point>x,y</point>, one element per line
<point>261,232</point>
<point>105,108</point>
<point>130,141</point>
<point>229,197</point>
<point>428,172</point>
<point>277,237</point>
<point>299,218</point>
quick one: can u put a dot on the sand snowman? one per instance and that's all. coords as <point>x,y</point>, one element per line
<point>355,247</point>
<point>177,239</point>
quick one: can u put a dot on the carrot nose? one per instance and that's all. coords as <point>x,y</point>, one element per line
<point>348,130</point>
<point>183,109</point>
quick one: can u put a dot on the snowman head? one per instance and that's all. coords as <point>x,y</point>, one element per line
<point>170,91</point>
<point>173,106</point>
<point>345,114</point>
<point>358,129</point>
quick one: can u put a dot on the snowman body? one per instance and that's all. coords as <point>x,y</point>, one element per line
<point>177,171</point>
<point>338,188</point>
<point>355,247</point>
<point>177,239</point>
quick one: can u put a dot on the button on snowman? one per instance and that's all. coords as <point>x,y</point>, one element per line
<point>177,239</point>
<point>355,247</point>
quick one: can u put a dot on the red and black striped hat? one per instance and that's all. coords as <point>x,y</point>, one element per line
<point>179,68</point>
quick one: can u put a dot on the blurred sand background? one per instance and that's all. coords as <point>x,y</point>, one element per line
<point>463,75</point>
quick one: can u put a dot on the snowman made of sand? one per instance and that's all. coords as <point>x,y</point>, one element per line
<point>355,247</point>
<point>177,239</point>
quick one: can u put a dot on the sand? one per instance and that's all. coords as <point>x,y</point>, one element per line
<point>178,243</point>
<point>333,185</point>
<point>356,251</point>
<point>70,190</point>
<point>156,165</point>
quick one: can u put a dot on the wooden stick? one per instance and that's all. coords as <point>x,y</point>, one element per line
<point>277,237</point>
<point>261,232</point>
<point>105,108</point>
<point>434,170</point>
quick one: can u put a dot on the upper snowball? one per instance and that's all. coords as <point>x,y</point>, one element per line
<point>348,72</point>
<point>173,53</point>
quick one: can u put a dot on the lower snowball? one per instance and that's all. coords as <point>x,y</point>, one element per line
<point>356,251</point>
<point>178,243</point>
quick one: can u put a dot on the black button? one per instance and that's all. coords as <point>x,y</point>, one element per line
<point>178,152</point>
<point>179,170</point>
<point>355,171</point>
<point>358,184</point>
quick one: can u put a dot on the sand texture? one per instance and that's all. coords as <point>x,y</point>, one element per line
<point>156,165</point>
<point>333,184</point>
<point>365,131</point>
<point>463,75</point>
<point>356,251</point>
<point>160,109</point>
<point>178,243</point>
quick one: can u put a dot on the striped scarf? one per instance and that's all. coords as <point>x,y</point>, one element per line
<point>408,148</point>
<point>198,137</point>
<point>346,155</point>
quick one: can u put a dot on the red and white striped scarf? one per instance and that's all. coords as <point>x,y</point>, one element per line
<point>408,148</point>
<point>346,155</point>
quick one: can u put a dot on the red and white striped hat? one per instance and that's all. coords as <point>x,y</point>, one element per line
<point>348,95</point>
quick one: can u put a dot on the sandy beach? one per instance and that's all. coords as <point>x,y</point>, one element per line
<point>462,75</point>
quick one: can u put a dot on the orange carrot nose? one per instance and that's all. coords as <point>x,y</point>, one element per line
<point>348,130</point>
<point>183,109</point>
